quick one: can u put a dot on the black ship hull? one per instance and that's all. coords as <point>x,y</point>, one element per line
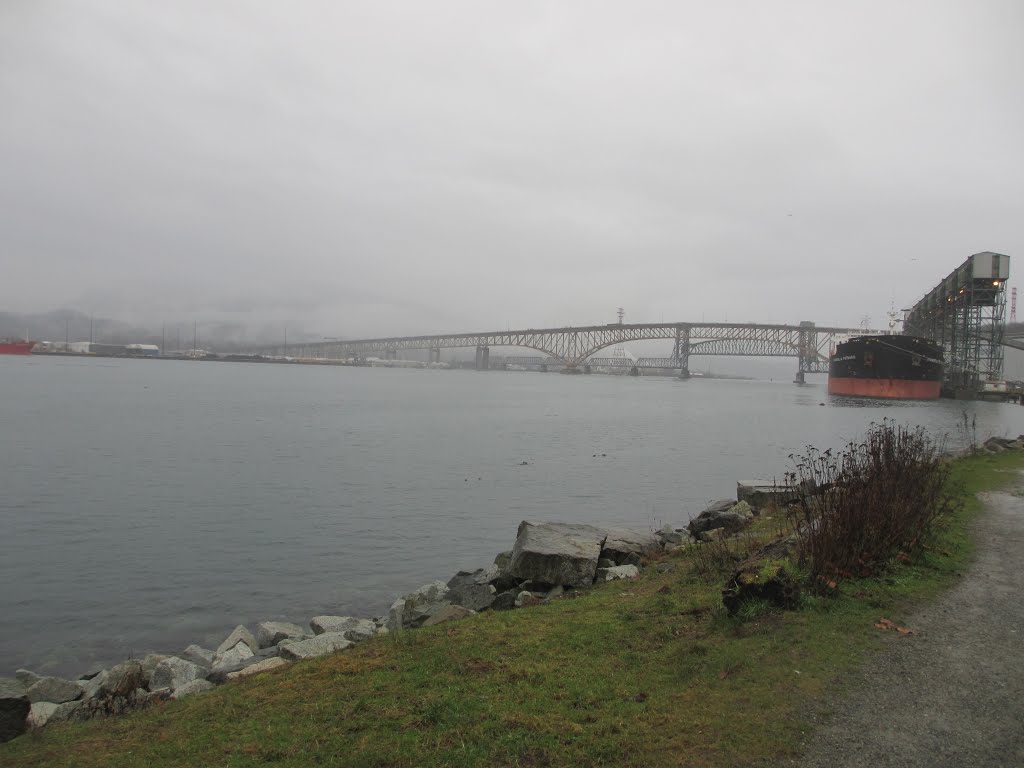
<point>892,367</point>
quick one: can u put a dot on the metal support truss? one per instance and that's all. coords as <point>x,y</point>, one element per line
<point>572,347</point>
<point>965,313</point>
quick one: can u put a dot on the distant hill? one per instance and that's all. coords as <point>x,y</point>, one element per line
<point>76,326</point>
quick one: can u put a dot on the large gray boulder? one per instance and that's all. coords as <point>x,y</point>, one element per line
<point>45,713</point>
<point>173,673</point>
<point>39,714</point>
<point>234,655</point>
<point>54,690</point>
<point>275,662</point>
<point>149,662</point>
<point>413,609</point>
<point>714,517</point>
<point>270,633</point>
<point>204,657</point>
<point>472,589</point>
<point>721,505</point>
<point>623,545</point>
<point>238,635</point>
<point>352,628</point>
<point>618,572</point>
<point>64,712</point>
<point>14,709</point>
<point>121,704</point>
<point>504,601</point>
<point>501,579</point>
<point>122,680</point>
<point>670,535</point>
<point>321,645</point>
<point>503,560</point>
<point>221,674</point>
<point>27,678</point>
<point>557,553</point>
<point>92,688</point>
<point>743,508</point>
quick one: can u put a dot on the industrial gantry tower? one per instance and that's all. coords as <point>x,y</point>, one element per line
<point>966,314</point>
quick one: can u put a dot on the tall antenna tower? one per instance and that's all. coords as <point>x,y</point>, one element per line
<point>1013,304</point>
<point>622,313</point>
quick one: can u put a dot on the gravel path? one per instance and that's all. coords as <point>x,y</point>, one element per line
<point>953,693</point>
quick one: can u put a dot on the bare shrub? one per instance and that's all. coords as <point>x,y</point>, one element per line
<point>876,500</point>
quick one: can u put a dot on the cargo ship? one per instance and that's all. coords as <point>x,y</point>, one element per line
<point>12,347</point>
<point>895,367</point>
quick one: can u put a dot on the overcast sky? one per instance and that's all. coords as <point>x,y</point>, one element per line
<point>379,168</point>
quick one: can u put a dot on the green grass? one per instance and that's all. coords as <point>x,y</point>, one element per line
<point>643,673</point>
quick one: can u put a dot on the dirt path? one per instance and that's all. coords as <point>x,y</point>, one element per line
<point>953,694</point>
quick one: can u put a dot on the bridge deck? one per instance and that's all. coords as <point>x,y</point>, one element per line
<point>573,346</point>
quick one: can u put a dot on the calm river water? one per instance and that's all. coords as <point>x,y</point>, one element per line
<point>146,505</point>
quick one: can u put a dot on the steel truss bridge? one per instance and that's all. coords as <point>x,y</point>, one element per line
<point>574,347</point>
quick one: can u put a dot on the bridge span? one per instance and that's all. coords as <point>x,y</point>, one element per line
<point>572,347</point>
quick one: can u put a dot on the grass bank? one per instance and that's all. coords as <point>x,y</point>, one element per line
<point>643,673</point>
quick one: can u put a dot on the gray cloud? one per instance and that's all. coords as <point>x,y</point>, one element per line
<point>373,168</point>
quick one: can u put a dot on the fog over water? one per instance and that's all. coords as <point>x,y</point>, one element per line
<point>367,169</point>
<point>151,504</point>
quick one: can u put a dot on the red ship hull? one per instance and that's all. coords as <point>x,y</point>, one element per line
<point>895,389</point>
<point>16,347</point>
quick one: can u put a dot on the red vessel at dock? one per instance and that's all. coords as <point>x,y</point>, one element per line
<point>10,347</point>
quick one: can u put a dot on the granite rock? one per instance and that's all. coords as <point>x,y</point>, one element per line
<point>266,665</point>
<point>14,709</point>
<point>413,609</point>
<point>270,633</point>
<point>173,673</point>
<point>557,553</point>
<point>321,645</point>
<point>238,635</point>
<point>354,629</point>
<point>122,680</point>
<point>204,657</point>
<point>54,690</point>
<point>618,572</point>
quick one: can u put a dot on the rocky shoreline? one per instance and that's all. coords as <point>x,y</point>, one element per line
<point>547,561</point>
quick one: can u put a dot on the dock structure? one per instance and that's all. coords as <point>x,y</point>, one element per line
<point>966,314</point>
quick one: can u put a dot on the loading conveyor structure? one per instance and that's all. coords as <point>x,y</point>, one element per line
<point>966,314</point>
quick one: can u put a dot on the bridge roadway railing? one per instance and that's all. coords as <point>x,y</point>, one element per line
<point>574,345</point>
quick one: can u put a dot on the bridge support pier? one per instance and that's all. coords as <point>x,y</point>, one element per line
<point>799,379</point>
<point>681,352</point>
<point>391,354</point>
<point>483,358</point>
<point>434,356</point>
